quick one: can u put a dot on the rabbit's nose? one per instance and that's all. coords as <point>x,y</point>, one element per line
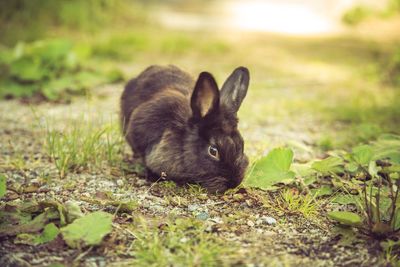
<point>235,181</point>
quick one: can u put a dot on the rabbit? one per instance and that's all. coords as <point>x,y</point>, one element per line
<point>186,130</point>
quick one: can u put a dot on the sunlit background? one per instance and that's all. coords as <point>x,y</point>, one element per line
<point>300,17</point>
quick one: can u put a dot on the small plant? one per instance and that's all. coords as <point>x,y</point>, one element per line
<point>290,201</point>
<point>179,242</point>
<point>376,169</point>
<point>83,146</point>
<point>298,203</point>
<point>271,169</point>
<point>50,69</point>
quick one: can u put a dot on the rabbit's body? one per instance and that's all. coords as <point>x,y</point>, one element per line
<point>182,129</point>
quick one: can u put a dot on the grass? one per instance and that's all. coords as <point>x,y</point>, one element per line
<point>291,202</point>
<point>84,145</point>
<point>178,242</point>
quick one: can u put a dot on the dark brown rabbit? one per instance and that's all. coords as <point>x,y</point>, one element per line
<point>186,130</point>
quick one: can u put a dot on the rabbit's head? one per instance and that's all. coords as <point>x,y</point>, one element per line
<point>214,145</point>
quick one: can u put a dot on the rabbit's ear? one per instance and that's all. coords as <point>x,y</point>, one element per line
<point>205,96</point>
<point>235,88</point>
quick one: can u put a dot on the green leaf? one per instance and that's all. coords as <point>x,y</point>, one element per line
<point>272,169</point>
<point>10,88</point>
<point>373,169</point>
<point>53,50</point>
<point>345,199</point>
<point>3,185</point>
<point>304,170</point>
<point>35,225</point>
<point>50,232</point>
<point>387,147</point>
<point>328,165</point>
<point>345,217</point>
<point>27,69</point>
<point>73,211</point>
<point>351,167</point>
<point>88,230</point>
<point>362,154</point>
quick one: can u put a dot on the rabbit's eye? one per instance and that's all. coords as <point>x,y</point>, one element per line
<point>213,152</point>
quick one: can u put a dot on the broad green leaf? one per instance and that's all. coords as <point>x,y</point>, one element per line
<point>345,217</point>
<point>3,185</point>
<point>14,217</point>
<point>387,147</point>
<point>351,167</point>
<point>73,211</point>
<point>362,154</point>
<point>328,165</point>
<point>272,169</point>
<point>27,69</point>
<point>373,169</point>
<point>88,230</point>
<point>345,199</point>
<point>50,232</point>
<point>303,169</point>
<point>50,50</point>
<point>10,88</point>
<point>33,226</point>
<point>58,206</point>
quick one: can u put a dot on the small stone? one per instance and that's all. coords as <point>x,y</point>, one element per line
<point>249,202</point>
<point>120,183</point>
<point>193,207</point>
<point>269,220</point>
<point>202,216</point>
<point>217,220</point>
<point>184,240</point>
<point>250,223</point>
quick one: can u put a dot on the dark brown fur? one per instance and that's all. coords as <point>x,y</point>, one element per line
<point>169,120</point>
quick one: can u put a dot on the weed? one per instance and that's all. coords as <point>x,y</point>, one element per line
<point>391,251</point>
<point>50,69</point>
<point>196,190</point>
<point>84,145</point>
<point>294,202</point>
<point>179,242</point>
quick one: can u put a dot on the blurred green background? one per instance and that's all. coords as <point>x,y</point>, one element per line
<point>328,68</point>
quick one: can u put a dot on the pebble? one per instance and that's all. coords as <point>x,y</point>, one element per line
<point>269,220</point>
<point>250,223</point>
<point>184,240</point>
<point>202,216</point>
<point>157,208</point>
<point>218,220</point>
<point>120,183</point>
<point>193,207</point>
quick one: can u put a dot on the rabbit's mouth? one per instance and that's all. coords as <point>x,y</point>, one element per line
<point>219,184</point>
